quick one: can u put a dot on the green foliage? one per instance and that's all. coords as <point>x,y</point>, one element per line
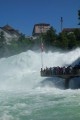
<point>63,40</point>
<point>25,44</point>
<point>50,37</point>
<point>77,34</point>
<point>79,17</point>
<point>20,45</point>
<point>2,39</point>
<point>72,41</point>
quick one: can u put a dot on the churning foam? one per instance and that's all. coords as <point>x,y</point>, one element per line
<point>22,71</point>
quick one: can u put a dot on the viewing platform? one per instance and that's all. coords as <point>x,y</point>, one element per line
<point>62,72</point>
<point>62,76</point>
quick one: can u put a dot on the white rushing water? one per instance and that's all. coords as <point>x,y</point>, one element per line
<point>22,72</point>
<point>25,95</point>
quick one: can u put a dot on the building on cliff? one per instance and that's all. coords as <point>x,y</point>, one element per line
<point>10,33</point>
<point>40,28</point>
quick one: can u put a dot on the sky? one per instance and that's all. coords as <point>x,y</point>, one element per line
<point>23,14</point>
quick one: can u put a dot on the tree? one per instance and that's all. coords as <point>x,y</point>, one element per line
<point>77,34</point>
<point>50,37</point>
<point>2,39</point>
<point>72,41</point>
<point>79,17</point>
<point>2,44</point>
<point>21,38</point>
<point>63,40</point>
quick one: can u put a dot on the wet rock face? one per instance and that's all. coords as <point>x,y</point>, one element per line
<point>74,83</point>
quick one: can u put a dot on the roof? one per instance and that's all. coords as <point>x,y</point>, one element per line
<point>42,24</point>
<point>70,29</point>
<point>7,28</point>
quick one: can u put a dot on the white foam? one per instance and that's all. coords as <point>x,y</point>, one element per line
<point>22,71</point>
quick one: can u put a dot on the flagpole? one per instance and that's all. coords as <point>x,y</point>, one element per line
<point>41,53</point>
<point>61,23</point>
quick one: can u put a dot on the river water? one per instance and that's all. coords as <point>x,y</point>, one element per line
<point>25,95</point>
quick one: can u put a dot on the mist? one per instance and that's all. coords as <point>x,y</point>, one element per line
<point>22,71</point>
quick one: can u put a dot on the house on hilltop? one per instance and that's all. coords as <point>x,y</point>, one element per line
<point>10,33</point>
<point>40,28</point>
<point>70,30</point>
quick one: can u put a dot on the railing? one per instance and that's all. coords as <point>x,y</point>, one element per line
<point>67,73</point>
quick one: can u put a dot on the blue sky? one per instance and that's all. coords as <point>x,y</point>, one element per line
<point>23,14</point>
